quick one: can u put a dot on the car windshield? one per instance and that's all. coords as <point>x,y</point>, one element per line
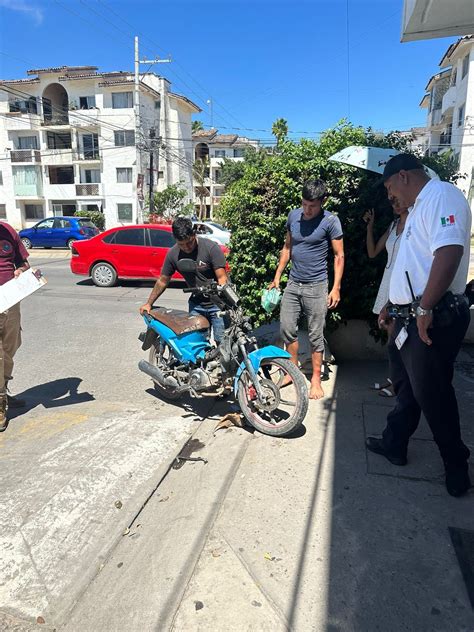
<point>216,225</point>
<point>86,222</point>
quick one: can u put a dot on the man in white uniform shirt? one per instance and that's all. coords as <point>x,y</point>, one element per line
<point>427,315</point>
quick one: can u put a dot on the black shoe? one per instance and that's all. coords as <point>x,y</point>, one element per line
<point>376,445</point>
<point>457,479</point>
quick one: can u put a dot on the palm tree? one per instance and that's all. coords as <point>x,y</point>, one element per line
<point>197,126</point>
<point>200,173</point>
<point>280,130</point>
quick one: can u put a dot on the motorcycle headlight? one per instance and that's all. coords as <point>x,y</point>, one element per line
<point>230,295</point>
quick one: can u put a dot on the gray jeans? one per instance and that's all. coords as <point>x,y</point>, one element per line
<point>309,299</point>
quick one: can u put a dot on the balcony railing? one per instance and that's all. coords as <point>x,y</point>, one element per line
<point>87,189</point>
<point>25,155</point>
<point>84,118</point>
<point>435,117</point>
<point>55,119</point>
<point>87,154</point>
<point>449,100</point>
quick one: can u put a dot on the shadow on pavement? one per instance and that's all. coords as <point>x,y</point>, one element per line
<point>61,392</point>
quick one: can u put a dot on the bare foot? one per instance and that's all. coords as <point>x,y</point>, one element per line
<point>316,391</point>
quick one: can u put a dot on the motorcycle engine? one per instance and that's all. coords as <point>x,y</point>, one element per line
<point>199,380</point>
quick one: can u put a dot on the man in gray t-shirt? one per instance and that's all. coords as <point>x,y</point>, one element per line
<point>211,265</point>
<point>310,232</point>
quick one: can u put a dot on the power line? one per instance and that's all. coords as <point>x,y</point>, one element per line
<point>206,92</point>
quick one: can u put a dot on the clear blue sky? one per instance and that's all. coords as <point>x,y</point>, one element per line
<point>256,59</point>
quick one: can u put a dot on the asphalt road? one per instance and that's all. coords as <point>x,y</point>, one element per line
<point>89,448</point>
<point>71,328</point>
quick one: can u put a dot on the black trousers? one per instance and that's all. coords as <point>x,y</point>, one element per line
<point>422,379</point>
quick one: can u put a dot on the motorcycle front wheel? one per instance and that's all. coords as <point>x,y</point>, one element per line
<point>285,394</point>
<point>160,355</point>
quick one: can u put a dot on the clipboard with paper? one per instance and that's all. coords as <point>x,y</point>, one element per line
<point>14,291</point>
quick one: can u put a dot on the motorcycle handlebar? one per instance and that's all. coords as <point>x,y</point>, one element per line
<point>201,290</point>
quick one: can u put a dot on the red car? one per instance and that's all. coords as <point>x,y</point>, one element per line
<point>127,252</point>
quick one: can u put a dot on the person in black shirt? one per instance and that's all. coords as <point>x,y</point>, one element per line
<point>211,266</point>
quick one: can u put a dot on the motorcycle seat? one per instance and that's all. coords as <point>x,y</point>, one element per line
<point>180,321</point>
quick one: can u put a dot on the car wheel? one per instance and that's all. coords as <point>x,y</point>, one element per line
<point>69,243</point>
<point>103,274</point>
<point>27,243</point>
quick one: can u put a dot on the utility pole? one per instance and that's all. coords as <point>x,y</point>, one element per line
<point>138,126</point>
<point>209,103</point>
<point>136,108</point>
<point>152,148</point>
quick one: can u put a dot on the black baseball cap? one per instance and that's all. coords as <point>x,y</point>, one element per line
<point>401,162</point>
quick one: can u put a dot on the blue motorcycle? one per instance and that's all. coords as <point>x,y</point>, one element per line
<point>270,389</point>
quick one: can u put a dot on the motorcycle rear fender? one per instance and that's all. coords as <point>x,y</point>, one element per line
<point>187,347</point>
<point>257,357</point>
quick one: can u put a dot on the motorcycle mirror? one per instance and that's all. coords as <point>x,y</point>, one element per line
<point>187,265</point>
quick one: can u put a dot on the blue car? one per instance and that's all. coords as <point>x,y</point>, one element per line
<point>58,232</point>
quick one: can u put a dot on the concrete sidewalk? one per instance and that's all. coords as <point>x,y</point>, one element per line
<point>308,533</point>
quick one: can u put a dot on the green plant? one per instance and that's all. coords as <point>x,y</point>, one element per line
<point>97,217</point>
<point>256,206</point>
<point>196,126</point>
<point>169,203</point>
<point>280,130</point>
<point>200,174</point>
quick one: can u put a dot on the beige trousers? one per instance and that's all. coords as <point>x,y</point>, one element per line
<point>10,341</point>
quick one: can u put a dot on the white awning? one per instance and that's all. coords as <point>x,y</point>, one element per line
<point>426,19</point>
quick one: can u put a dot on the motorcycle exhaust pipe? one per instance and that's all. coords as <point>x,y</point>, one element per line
<point>157,375</point>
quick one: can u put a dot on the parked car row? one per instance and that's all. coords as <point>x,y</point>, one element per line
<point>58,232</point>
<point>127,252</point>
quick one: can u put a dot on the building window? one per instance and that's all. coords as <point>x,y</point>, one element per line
<point>122,100</point>
<point>1,178</point>
<point>465,66</point>
<point>124,174</point>
<point>34,211</point>
<point>219,153</point>
<point>59,141</point>
<point>3,211</point>
<point>61,175</point>
<point>87,103</point>
<point>90,146</point>
<point>63,208</point>
<point>454,77</point>
<point>124,138</point>
<point>461,115</point>
<point>90,176</point>
<point>124,212</point>
<point>25,107</point>
<point>27,142</point>
<point>157,105</point>
<point>160,174</point>
<point>239,152</point>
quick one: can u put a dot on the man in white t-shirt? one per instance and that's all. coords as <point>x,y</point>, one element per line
<point>428,315</point>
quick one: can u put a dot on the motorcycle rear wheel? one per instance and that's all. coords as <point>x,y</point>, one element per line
<point>287,406</point>
<point>166,393</point>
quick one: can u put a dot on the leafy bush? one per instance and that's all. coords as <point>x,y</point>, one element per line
<point>95,216</point>
<point>257,204</point>
<point>169,203</point>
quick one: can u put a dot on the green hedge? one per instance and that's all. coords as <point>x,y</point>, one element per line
<point>257,204</point>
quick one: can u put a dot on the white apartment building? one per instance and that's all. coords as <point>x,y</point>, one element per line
<point>210,145</point>
<point>69,140</point>
<point>449,100</point>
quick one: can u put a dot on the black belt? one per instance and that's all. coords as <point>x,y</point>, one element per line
<point>449,301</point>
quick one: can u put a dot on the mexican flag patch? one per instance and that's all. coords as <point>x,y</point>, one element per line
<point>448,221</point>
